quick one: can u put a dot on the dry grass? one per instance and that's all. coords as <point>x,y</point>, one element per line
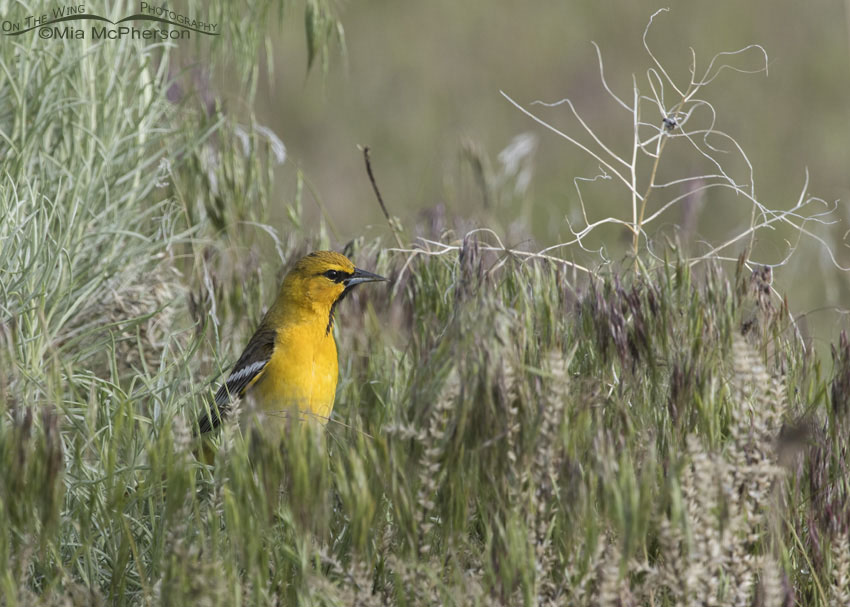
<point>512,427</point>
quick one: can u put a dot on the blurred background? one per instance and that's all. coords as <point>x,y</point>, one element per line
<point>420,84</point>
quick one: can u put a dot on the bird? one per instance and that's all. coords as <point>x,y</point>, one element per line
<point>290,363</point>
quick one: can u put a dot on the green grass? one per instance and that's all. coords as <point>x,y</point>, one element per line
<point>508,430</point>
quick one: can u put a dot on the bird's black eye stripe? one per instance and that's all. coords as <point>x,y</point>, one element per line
<point>336,275</point>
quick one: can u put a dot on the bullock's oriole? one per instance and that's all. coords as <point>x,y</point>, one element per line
<point>290,363</point>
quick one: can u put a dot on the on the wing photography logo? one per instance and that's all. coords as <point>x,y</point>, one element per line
<point>74,22</point>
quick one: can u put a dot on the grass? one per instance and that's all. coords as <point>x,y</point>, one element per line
<point>509,429</point>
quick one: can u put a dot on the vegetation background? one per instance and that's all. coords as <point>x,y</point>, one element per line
<point>605,425</point>
<point>421,81</point>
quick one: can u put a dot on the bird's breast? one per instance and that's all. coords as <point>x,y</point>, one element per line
<point>301,374</point>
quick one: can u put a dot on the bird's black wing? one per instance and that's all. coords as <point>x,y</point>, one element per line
<point>250,365</point>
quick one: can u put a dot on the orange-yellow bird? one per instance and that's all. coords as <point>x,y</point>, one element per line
<point>290,363</point>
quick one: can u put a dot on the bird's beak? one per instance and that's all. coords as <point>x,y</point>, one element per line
<point>361,276</point>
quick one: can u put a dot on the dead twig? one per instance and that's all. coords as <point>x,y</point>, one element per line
<point>392,224</point>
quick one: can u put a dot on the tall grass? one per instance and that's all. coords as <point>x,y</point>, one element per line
<point>508,430</point>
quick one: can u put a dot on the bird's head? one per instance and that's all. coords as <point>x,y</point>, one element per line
<point>321,279</point>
